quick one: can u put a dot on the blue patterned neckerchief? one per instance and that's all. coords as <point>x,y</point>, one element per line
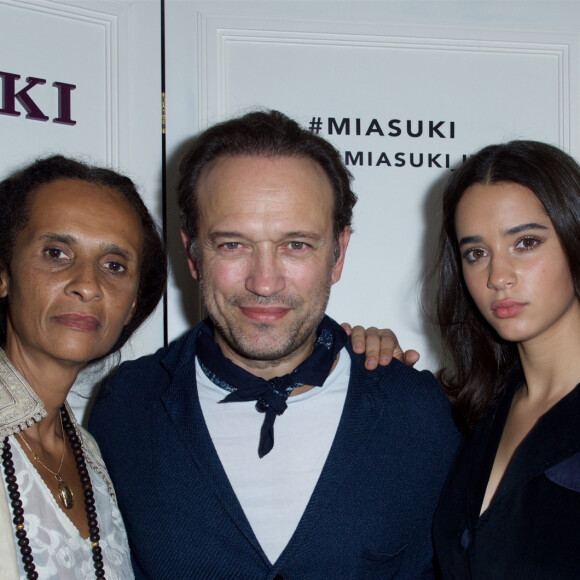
<point>270,394</point>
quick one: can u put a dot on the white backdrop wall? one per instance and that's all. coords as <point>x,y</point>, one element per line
<point>110,53</point>
<point>403,89</point>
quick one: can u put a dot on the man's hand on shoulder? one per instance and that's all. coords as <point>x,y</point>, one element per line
<point>378,346</point>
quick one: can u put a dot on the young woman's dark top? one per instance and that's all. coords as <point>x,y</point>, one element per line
<point>540,492</point>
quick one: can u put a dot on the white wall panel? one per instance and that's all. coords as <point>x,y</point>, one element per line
<point>110,51</point>
<point>477,72</point>
<point>61,43</point>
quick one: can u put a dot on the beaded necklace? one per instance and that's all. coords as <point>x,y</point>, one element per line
<point>18,511</point>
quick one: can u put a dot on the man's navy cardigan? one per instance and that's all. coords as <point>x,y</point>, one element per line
<point>368,517</point>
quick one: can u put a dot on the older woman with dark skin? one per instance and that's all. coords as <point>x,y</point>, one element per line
<point>81,267</point>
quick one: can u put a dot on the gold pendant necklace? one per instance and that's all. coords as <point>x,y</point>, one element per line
<point>65,493</point>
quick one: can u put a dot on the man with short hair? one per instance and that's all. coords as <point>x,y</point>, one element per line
<point>258,445</point>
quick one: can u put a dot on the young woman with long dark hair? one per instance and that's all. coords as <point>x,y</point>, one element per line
<point>508,280</point>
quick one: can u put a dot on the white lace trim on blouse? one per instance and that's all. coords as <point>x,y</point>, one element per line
<point>58,549</point>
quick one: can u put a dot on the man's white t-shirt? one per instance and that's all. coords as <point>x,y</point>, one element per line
<point>274,491</point>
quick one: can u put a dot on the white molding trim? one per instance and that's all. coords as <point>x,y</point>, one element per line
<point>108,19</point>
<point>217,35</point>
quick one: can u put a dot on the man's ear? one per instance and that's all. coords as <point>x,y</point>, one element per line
<point>343,240</point>
<point>191,262</point>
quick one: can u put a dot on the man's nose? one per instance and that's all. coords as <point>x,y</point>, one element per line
<point>265,277</point>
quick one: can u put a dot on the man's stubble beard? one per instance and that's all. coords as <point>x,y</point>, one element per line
<point>302,329</point>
